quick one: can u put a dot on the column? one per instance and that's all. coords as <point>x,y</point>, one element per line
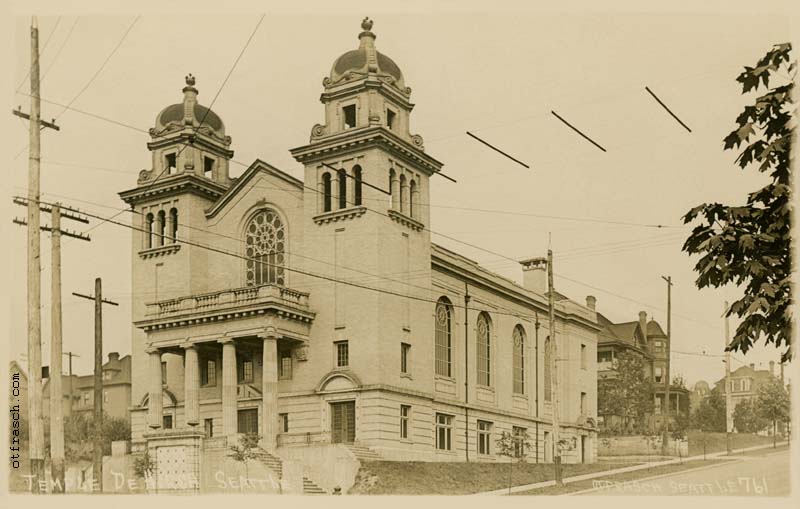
<point>191,385</point>
<point>155,404</point>
<point>270,391</point>
<point>229,416</point>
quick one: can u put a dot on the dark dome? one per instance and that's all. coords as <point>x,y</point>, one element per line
<point>174,113</point>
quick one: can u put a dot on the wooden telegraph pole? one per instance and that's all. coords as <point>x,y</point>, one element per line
<point>554,367</point>
<point>36,429</point>
<point>665,436</point>
<point>71,391</point>
<point>97,456</point>
<point>728,399</point>
<point>56,391</point>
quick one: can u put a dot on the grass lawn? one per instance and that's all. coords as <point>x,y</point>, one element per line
<point>628,476</point>
<point>715,442</point>
<point>440,478</point>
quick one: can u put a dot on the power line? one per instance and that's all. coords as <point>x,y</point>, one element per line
<point>667,108</point>
<point>44,47</point>
<point>63,44</point>
<point>497,150</point>
<point>577,131</point>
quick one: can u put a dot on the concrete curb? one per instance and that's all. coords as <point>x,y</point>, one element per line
<point>623,470</point>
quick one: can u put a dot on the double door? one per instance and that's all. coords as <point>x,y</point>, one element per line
<point>343,422</point>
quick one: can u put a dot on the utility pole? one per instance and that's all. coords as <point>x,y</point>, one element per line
<point>728,399</point>
<point>36,425</point>
<point>665,436</point>
<point>553,366</point>
<point>97,456</point>
<point>71,395</point>
<point>56,391</point>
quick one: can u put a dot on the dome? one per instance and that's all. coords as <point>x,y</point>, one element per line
<point>189,113</point>
<point>366,60</point>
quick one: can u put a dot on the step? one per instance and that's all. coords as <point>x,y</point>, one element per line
<point>310,488</point>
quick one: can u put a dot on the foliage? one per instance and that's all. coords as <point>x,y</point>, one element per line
<point>79,433</point>
<point>747,418</point>
<point>681,421</point>
<point>143,466</point>
<point>750,245</point>
<point>513,445</point>
<point>628,394</point>
<point>679,381</point>
<point>245,450</point>
<point>710,413</point>
<point>772,401</point>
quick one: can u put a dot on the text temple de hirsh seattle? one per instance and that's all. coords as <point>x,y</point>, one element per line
<point>318,314</point>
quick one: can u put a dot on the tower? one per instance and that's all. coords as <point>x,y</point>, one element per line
<point>366,216</point>
<point>189,172</point>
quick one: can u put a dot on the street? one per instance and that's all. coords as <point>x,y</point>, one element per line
<point>758,473</point>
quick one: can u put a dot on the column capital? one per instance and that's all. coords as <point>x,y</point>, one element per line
<point>188,345</point>
<point>225,341</point>
<point>151,350</point>
<point>270,332</point>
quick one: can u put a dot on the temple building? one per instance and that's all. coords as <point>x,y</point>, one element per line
<point>318,315</point>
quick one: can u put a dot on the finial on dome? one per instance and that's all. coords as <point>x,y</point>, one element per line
<point>366,24</point>
<point>190,80</point>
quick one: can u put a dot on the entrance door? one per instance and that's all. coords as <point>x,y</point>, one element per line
<point>583,448</point>
<point>248,421</point>
<point>343,422</point>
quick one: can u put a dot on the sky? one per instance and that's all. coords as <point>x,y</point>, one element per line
<point>497,74</point>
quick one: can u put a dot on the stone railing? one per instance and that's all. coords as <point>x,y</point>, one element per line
<point>301,439</point>
<point>227,299</point>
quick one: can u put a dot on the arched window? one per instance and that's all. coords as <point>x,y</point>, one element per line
<point>265,239</point>
<point>162,226</point>
<point>342,189</point>
<point>402,207</point>
<point>484,348</point>
<point>326,192</point>
<point>148,226</point>
<point>393,189</point>
<point>173,221</point>
<point>412,194</point>
<point>548,391</point>
<point>518,362</point>
<point>444,337</point>
<point>356,185</point>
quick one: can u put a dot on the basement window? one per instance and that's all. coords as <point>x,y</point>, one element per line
<point>349,116</point>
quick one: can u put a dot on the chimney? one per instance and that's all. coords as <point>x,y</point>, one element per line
<point>591,302</point>
<point>534,275</point>
<point>772,368</point>
<point>643,322</point>
<point>752,366</point>
<point>113,356</point>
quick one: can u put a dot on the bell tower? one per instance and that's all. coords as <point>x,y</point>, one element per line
<point>366,209</point>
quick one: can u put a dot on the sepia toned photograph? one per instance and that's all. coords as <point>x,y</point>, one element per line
<point>400,249</point>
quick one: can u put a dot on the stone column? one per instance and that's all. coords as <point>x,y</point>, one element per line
<point>191,373</point>
<point>270,391</point>
<point>155,402</point>
<point>229,416</point>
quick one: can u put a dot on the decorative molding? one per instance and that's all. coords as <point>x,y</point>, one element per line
<point>340,215</point>
<point>318,131</point>
<point>154,252</point>
<point>301,352</point>
<point>403,219</point>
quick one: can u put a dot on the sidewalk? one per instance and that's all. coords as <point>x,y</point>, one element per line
<point>605,473</point>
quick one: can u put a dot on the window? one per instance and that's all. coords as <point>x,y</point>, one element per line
<point>412,195</point>
<point>357,185</point>
<point>444,432</point>
<point>208,425</point>
<point>392,190</point>
<point>405,416</point>
<point>162,227</point>
<point>342,189</point>
<point>167,422</point>
<point>172,164</point>
<point>658,346</point>
<point>105,396</point>
<point>405,351</point>
<point>208,372</point>
<point>86,398</point>
<point>148,227</point>
<point>173,222</point>
<point>349,116</point>
<point>484,347</point>
<point>518,362</point>
<point>484,437</point>
<point>265,242</point>
<point>164,372</point>
<point>284,365</point>
<point>342,354</point>
<point>443,337</point>
<point>584,360</point>
<point>548,374</point>
<point>283,422</point>
<point>107,375</point>
<point>604,356</point>
<point>326,192</point>
<point>403,193</point>
<point>659,374</point>
<point>584,410</point>
<point>520,437</point>
<point>390,118</point>
<point>246,371</point>
<point>208,167</point>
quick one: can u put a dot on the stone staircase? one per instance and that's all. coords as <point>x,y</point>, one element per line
<point>363,453</point>
<point>275,464</point>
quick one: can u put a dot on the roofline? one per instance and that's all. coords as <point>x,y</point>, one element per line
<point>255,167</point>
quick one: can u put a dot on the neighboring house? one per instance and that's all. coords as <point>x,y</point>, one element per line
<point>700,391</point>
<point>648,340</point>
<point>337,320</point>
<point>745,381</point>
<point>116,389</point>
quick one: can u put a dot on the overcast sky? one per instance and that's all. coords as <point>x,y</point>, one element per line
<point>497,74</point>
